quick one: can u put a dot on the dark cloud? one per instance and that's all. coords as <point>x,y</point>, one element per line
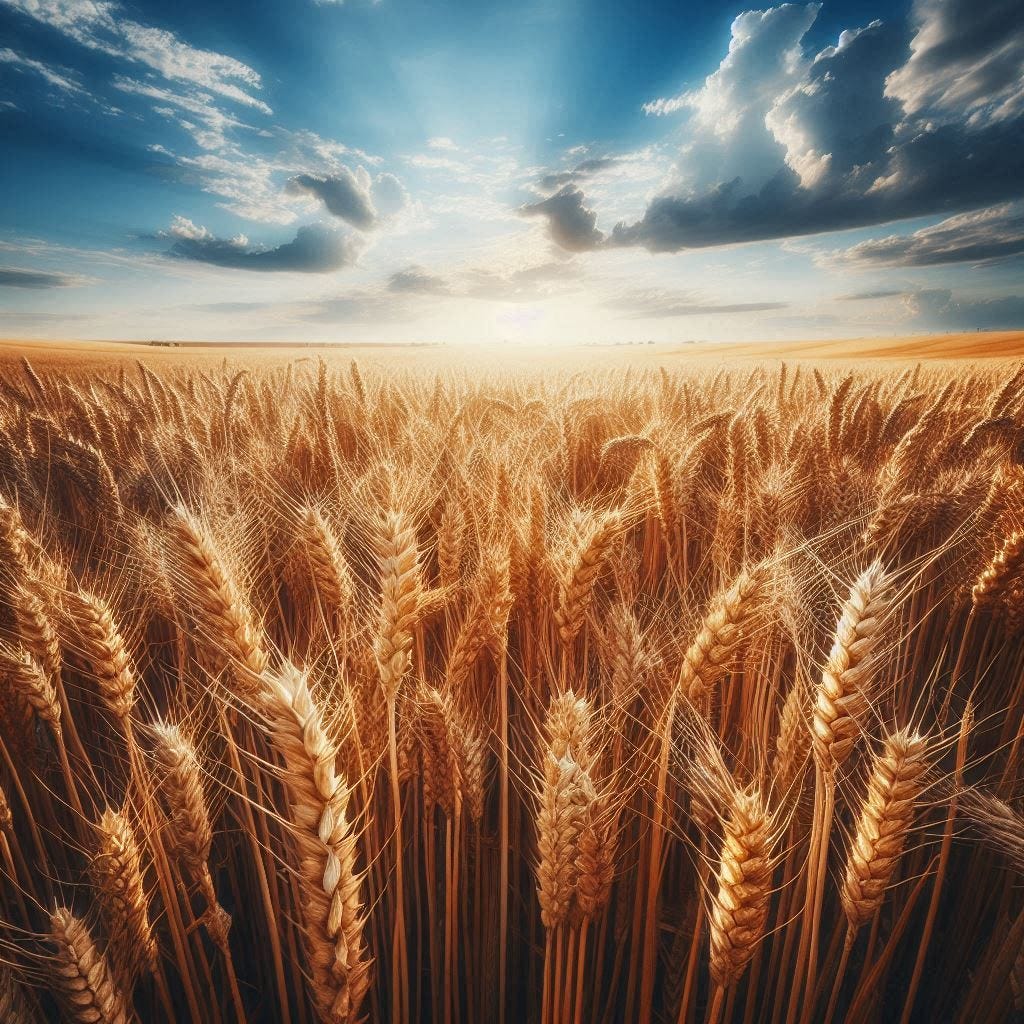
<point>583,170</point>
<point>845,153</point>
<point>345,194</point>
<point>656,303</point>
<point>996,233</point>
<point>418,281</point>
<point>12,277</point>
<point>967,56</point>
<point>949,167</point>
<point>939,308</point>
<point>314,250</point>
<point>571,224</point>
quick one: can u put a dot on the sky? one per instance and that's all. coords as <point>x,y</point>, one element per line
<point>546,172</point>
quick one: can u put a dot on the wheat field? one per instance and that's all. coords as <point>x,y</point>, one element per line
<point>341,691</point>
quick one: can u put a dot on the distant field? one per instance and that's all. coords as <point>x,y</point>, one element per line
<point>974,345</point>
<point>69,355</point>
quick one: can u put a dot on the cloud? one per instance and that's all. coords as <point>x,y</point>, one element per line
<point>522,284</point>
<point>781,145</point>
<point>213,123</point>
<point>357,307</point>
<point>656,303</point>
<point>995,233</point>
<point>442,142</point>
<point>837,119</point>
<point>103,25</point>
<point>727,135</point>
<point>345,194</point>
<point>570,223</point>
<point>881,293</point>
<point>13,277</point>
<point>389,194</point>
<point>938,308</point>
<point>528,283</point>
<point>62,79</point>
<point>314,250</point>
<point>585,169</point>
<point>255,185</point>
<point>764,58</point>
<point>418,281</point>
<point>965,57</point>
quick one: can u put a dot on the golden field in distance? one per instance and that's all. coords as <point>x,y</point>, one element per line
<point>81,354</point>
<point>635,684</point>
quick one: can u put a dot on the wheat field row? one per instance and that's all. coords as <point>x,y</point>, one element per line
<point>333,692</point>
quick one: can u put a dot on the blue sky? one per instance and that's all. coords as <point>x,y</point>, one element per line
<point>543,172</point>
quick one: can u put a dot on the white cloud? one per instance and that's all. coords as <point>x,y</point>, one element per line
<point>182,227</point>
<point>728,135</point>
<point>103,26</point>
<point>764,58</point>
<point>62,79</point>
<point>214,122</point>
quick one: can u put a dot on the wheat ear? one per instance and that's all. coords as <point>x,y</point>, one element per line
<point>725,625</point>
<point>318,801</point>
<point>740,905</point>
<point>843,696</point>
<point>229,634</point>
<point>83,976</point>
<point>885,817</point>
<point>117,875</point>
<point>576,591</point>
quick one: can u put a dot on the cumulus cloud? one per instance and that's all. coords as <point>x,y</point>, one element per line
<point>727,135</point>
<point>571,224</point>
<point>940,308</point>
<point>764,59</point>
<point>314,250</point>
<point>104,26</point>
<point>837,119</point>
<point>345,194</point>
<point>783,145</point>
<point>996,233</point>
<point>13,277</point>
<point>965,56</point>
